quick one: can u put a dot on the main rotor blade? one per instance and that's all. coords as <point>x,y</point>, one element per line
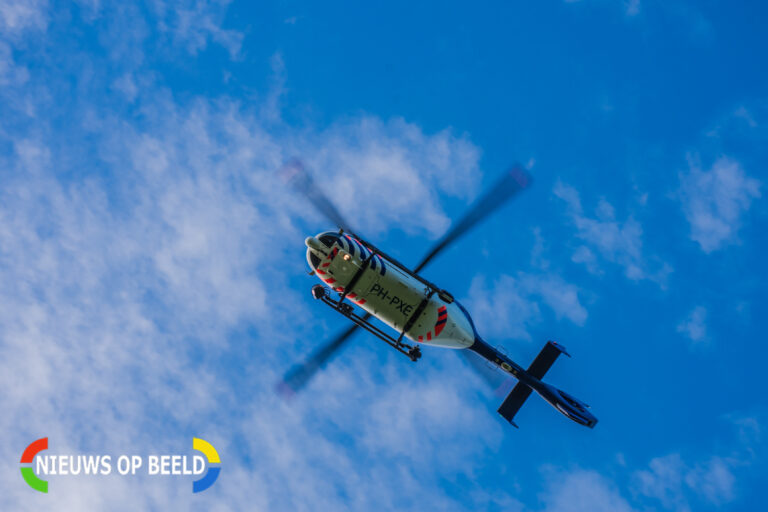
<point>512,182</point>
<point>299,375</point>
<point>301,180</point>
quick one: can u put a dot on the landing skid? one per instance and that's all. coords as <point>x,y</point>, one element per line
<point>320,292</point>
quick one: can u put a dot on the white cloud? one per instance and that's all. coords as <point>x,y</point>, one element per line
<point>672,482</point>
<point>695,325</point>
<point>389,173</point>
<point>503,309</point>
<point>189,25</point>
<point>745,115</point>
<point>123,288</point>
<point>539,250</point>
<point>512,305</point>
<point>632,7</point>
<point>749,431</point>
<point>126,85</point>
<point>713,480</point>
<point>18,16</point>
<point>440,409</point>
<point>194,23</point>
<point>615,241</point>
<point>10,72</point>
<point>582,491</point>
<point>715,201</point>
<point>560,296</point>
<point>663,481</point>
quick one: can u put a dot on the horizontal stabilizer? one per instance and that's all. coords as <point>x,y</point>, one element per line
<point>515,399</point>
<point>545,359</point>
<point>521,391</point>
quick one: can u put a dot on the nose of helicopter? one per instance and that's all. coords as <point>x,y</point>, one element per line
<point>318,247</point>
<point>315,245</point>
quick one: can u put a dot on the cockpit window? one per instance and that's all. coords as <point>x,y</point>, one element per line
<point>329,239</point>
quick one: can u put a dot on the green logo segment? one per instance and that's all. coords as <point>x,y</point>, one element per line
<point>27,472</point>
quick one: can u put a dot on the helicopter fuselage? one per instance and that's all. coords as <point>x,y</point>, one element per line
<point>387,292</point>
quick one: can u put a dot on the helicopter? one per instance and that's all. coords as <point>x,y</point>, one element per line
<point>370,283</point>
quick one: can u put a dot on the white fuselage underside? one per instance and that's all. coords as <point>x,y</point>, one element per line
<point>392,295</point>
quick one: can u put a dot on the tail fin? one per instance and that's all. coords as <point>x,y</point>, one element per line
<point>560,400</point>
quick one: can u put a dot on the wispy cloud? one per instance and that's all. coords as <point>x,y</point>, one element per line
<point>672,482</point>
<point>694,326</point>
<point>18,16</point>
<point>11,73</point>
<point>193,24</point>
<point>510,306</point>
<point>607,238</point>
<point>669,480</point>
<point>746,123</point>
<point>632,7</point>
<point>582,490</point>
<point>714,201</point>
<point>358,160</point>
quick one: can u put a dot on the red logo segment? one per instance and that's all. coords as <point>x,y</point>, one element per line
<point>442,319</point>
<point>29,454</point>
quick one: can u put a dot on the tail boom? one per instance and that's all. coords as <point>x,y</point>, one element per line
<point>530,380</point>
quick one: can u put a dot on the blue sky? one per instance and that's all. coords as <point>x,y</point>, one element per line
<point>154,281</point>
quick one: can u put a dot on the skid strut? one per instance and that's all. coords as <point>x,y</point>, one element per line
<point>320,292</point>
